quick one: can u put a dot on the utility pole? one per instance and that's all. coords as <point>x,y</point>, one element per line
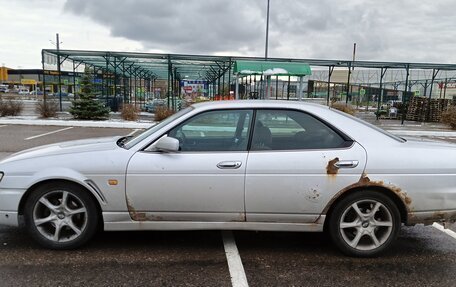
<point>268,77</point>
<point>57,44</point>
<point>350,69</point>
<point>267,33</point>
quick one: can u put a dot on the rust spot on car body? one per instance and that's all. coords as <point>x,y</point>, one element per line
<point>313,195</point>
<point>364,182</point>
<point>241,217</point>
<point>331,169</point>
<point>140,216</point>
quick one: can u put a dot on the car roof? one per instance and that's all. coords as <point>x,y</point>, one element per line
<point>257,104</point>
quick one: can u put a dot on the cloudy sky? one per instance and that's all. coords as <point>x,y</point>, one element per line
<point>388,30</point>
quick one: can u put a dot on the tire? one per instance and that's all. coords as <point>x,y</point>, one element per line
<point>56,223</point>
<point>361,231</point>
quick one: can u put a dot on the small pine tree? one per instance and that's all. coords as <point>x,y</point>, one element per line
<point>87,107</point>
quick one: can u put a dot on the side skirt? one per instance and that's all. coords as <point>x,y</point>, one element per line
<point>118,221</point>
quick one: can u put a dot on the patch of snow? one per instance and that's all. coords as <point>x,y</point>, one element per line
<point>422,133</point>
<point>275,71</point>
<point>248,72</point>
<point>35,121</point>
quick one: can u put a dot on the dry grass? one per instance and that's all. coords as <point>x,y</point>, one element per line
<point>344,108</point>
<point>162,113</point>
<point>129,112</point>
<point>10,108</point>
<point>449,117</point>
<point>47,109</point>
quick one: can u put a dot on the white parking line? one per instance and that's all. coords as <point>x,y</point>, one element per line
<point>49,133</point>
<point>2,126</point>
<point>447,231</point>
<point>237,273</point>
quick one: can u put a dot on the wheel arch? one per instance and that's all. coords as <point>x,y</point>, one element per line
<point>403,211</point>
<point>96,198</point>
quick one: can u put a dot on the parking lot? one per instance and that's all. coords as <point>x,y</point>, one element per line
<point>422,255</point>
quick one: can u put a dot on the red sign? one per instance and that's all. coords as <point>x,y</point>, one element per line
<point>448,85</point>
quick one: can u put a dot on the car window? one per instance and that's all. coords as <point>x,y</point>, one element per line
<point>291,130</point>
<point>226,130</point>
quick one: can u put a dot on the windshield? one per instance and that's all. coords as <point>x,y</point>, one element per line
<point>138,138</point>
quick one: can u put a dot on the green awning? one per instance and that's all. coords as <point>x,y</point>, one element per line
<point>271,68</point>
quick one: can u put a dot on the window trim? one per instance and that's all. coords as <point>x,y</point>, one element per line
<point>349,142</point>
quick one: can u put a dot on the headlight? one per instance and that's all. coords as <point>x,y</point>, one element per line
<point>1,175</point>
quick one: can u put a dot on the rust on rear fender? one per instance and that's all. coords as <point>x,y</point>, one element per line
<point>363,182</point>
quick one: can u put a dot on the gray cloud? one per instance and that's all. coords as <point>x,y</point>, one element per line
<point>386,30</point>
<point>179,26</point>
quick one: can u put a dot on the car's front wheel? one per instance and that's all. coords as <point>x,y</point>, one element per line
<point>60,215</point>
<point>364,224</point>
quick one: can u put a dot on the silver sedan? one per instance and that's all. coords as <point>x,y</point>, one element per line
<point>238,165</point>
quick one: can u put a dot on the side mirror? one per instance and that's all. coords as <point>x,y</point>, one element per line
<point>167,144</point>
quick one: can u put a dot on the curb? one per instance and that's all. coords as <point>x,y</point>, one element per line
<point>74,123</point>
<point>423,133</point>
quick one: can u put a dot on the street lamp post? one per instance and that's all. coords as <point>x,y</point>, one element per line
<point>57,43</point>
<point>267,33</point>
<point>59,70</point>
<point>268,77</point>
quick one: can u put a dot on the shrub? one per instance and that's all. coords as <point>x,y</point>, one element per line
<point>47,109</point>
<point>129,112</point>
<point>344,108</point>
<point>162,113</point>
<point>10,108</point>
<point>449,117</point>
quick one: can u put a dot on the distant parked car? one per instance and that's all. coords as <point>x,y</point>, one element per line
<point>23,91</point>
<point>64,94</point>
<point>151,106</point>
<point>4,89</point>
<point>36,93</point>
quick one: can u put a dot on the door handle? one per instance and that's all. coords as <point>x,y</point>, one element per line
<point>346,164</point>
<point>229,164</point>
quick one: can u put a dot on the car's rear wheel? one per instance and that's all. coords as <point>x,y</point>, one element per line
<point>364,224</point>
<point>60,215</point>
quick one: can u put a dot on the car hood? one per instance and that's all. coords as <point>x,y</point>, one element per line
<point>69,147</point>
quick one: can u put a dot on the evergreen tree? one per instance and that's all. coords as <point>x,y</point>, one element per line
<point>87,107</point>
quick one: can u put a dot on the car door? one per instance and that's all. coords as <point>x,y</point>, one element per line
<point>204,181</point>
<point>296,164</point>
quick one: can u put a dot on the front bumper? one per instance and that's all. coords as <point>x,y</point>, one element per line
<point>9,206</point>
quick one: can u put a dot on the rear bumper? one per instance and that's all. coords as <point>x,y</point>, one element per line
<point>429,217</point>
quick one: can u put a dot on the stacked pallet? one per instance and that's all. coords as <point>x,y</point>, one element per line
<point>437,106</point>
<point>416,109</point>
<point>421,109</point>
